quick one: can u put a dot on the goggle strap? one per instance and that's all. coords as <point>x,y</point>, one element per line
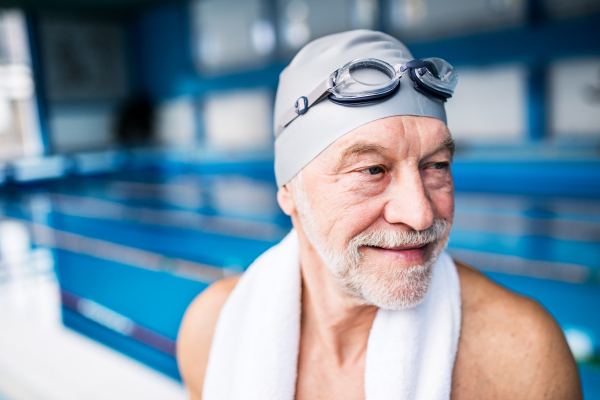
<point>299,108</point>
<point>414,64</point>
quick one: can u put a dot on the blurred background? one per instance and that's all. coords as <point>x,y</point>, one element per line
<point>136,167</point>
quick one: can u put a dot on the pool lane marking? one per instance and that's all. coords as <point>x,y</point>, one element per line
<point>81,206</point>
<point>157,192</point>
<point>520,225</point>
<point>116,322</point>
<point>519,266</point>
<point>43,235</point>
<point>572,208</point>
<point>532,213</point>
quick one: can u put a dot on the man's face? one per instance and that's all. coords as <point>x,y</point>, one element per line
<point>377,206</point>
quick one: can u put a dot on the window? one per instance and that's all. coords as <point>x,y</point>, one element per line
<point>489,104</point>
<point>231,35</point>
<point>19,121</point>
<point>304,20</point>
<point>562,8</point>
<point>239,120</point>
<point>419,19</point>
<point>575,98</point>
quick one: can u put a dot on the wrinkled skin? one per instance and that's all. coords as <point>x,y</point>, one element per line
<point>390,176</point>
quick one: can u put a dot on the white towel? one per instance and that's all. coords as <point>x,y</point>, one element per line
<point>254,353</point>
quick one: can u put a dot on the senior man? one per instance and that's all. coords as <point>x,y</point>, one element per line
<point>360,300</point>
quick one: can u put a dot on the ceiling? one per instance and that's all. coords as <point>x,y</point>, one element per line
<point>82,5</point>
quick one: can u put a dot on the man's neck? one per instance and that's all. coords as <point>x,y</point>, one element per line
<point>331,320</point>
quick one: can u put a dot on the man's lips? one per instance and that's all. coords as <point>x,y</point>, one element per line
<point>401,248</point>
<point>415,253</point>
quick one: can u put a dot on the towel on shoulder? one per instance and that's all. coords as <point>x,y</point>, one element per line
<point>254,353</point>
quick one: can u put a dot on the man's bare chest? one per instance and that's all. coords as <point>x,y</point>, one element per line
<point>324,377</point>
<point>320,380</point>
<point>317,383</point>
<point>320,377</point>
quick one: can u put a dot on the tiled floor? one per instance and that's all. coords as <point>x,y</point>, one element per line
<point>42,360</point>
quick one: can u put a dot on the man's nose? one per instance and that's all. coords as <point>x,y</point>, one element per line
<point>408,202</point>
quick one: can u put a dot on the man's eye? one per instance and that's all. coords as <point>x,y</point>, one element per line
<point>439,165</point>
<point>374,170</point>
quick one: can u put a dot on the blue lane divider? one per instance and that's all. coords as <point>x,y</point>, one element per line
<point>563,178</point>
<point>519,266</point>
<point>158,360</point>
<point>532,247</point>
<point>155,300</point>
<point>117,322</point>
<point>91,207</point>
<point>162,202</point>
<point>202,247</point>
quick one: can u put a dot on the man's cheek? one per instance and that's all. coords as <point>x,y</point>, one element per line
<point>444,205</point>
<point>438,181</point>
<point>442,197</point>
<point>342,199</point>
<point>345,216</point>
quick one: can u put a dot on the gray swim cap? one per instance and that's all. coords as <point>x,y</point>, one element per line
<point>325,122</point>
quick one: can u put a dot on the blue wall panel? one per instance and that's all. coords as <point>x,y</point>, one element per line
<point>548,40</point>
<point>163,44</point>
<point>161,41</point>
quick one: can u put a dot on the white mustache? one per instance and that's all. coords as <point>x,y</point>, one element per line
<point>393,238</point>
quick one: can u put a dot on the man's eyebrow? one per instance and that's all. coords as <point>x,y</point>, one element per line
<point>447,144</point>
<point>362,147</point>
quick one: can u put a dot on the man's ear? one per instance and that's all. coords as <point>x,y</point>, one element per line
<point>286,199</point>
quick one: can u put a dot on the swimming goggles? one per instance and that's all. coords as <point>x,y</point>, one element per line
<point>367,81</point>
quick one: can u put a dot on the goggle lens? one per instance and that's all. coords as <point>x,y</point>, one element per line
<point>371,73</point>
<point>363,79</point>
<point>439,75</point>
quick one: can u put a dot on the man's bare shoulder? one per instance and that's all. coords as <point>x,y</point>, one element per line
<point>510,346</point>
<point>196,333</point>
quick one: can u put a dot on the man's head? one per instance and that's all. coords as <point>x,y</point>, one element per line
<point>368,188</point>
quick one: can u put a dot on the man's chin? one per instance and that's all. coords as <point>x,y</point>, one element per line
<point>390,278</point>
<point>397,289</point>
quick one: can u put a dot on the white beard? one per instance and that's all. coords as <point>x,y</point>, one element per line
<point>384,286</point>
